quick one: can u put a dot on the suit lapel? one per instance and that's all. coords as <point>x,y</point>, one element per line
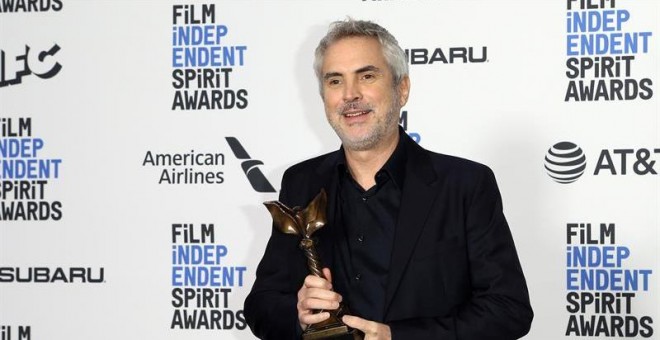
<point>417,199</point>
<point>328,180</point>
<point>335,235</point>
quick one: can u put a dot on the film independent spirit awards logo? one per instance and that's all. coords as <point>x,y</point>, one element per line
<point>565,162</point>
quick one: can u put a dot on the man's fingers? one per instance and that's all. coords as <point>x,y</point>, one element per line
<point>371,329</point>
<point>319,293</point>
<point>310,318</point>
<point>312,281</point>
<point>327,274</point>
<point>319,282</point>
<point>308,304</point>
<point>316,294</point>
<point>358,323</point>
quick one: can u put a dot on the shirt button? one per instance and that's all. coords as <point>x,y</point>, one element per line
<point>360,238</point>
<point>357,277</point>
<point>364,199</point>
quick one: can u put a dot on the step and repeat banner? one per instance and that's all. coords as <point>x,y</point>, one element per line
<point>138,140</point>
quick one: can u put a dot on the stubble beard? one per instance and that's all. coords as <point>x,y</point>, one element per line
<point>378,132</point>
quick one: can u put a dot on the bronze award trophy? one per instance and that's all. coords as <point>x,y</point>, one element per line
<point>304,222</point>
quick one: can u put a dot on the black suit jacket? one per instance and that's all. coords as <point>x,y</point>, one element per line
<point>454,272</point>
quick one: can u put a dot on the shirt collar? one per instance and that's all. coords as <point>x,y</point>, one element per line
<point>394,168</point>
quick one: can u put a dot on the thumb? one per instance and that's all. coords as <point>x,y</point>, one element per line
<point>355,322</point>
<point>327,274</point>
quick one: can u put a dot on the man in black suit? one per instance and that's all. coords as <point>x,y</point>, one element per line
<point>416,243</point>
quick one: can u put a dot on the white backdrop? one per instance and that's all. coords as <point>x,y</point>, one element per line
<point>111,103</point>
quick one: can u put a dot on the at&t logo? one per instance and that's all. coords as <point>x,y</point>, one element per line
<point>565,162</point>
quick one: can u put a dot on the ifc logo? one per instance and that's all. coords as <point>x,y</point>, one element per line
<point>565,162</point>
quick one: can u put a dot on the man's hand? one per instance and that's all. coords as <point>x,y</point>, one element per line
<point>316,293</point>
<point>372,330</point>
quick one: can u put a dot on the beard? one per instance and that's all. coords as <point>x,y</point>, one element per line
<point>377,132</point>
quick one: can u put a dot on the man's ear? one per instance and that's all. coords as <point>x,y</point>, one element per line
<point>404,91</point>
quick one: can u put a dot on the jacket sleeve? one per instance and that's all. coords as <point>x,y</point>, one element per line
<point>497,304</point>
<point>270,308</point>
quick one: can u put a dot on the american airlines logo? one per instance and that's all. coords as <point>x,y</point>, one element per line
<point>257,179</point>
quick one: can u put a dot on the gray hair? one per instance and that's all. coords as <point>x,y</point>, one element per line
<point>393,53</point>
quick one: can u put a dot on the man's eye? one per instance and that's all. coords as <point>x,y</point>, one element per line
<point>333,82</point>
<point>368,76</point>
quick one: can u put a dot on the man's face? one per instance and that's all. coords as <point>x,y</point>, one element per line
<point>361,103</point>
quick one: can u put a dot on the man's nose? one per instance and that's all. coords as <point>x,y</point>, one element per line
<point>352,91</point>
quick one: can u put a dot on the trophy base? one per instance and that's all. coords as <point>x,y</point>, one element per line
<point>341,332</point>
<point>332,328</point>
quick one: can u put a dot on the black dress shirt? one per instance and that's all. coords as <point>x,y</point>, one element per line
<point>368,219</point>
